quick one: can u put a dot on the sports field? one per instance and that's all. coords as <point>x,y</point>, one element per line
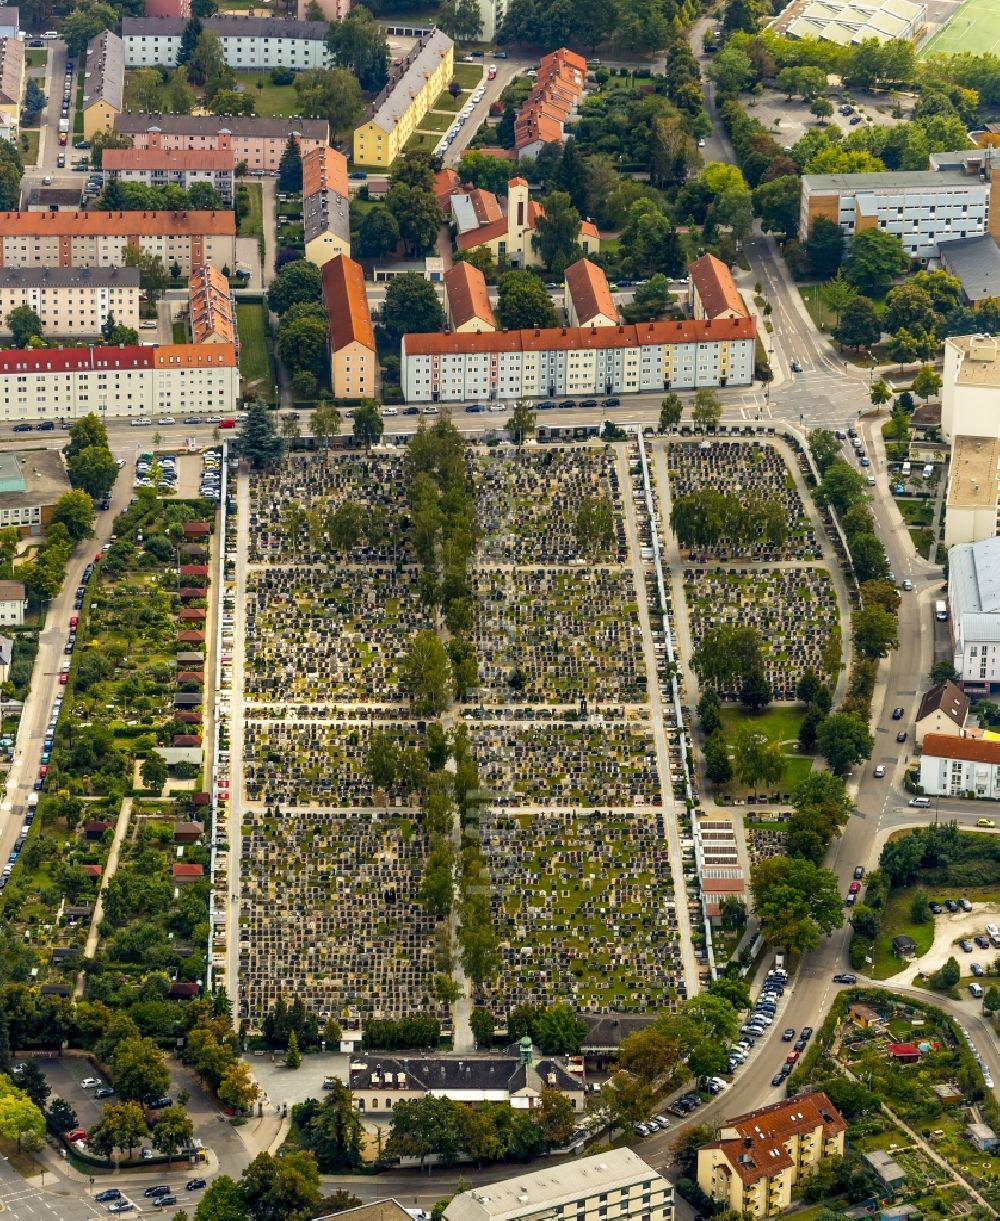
<point>974,27</point>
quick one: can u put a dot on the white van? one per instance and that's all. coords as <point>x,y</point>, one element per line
<point>992,930</point>
<point>928,470</point>
<point>976,990</point>
<point>907,468</point>
<point>390,411</point>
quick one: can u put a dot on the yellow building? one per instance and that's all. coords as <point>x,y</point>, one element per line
<point>103,84</point>
<point>760,1157</point>
<point>414,86</point>
<point>353,360</point>
<point>11,85</point>
<point>325,205</point>
<point>511,238</point>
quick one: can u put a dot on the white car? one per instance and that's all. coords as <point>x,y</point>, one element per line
<point>90,1083</point>
<point>167,419</point>
<point>497,407</point>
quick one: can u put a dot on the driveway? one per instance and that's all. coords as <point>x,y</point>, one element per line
<point>950,927</point>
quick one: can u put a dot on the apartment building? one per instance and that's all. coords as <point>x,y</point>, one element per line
<point>491,14</point>
<point>559,86</point>
<point>712,291</point>
<point>103,83</point>
<point>12,603</point>
<point>588,296</point>
<point>249,43</point>
<point>943,710</point>
<point>97,239</point>
<point>156,167</point>
<point>508,232</point>
<point>353,360</point>
<point>972,502</point>
<point>577,361</point>
<point>71,300</point>
<point>211,310</point>
<point>256,143</point>
<point>31,482</point>
<point>118,382</point>
<point>467,299</point>
<point>953,766</point>
<point>12,84</point>
<point>761,1156</point>
<point>325,205</point>
<point>970,380</point>
<point>333,10</point>
<point>616,1185</point>
<point>10,21</point>
<point>974,613</point>
<point>413,87</point>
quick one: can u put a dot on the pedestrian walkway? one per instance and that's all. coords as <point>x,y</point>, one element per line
<point>90,950</point>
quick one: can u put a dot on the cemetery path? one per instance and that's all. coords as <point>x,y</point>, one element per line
<point>90,949</point>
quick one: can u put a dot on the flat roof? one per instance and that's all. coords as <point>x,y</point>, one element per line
<point>32,477</point>
<point>983,369</point>
<point>902,180</point>
<point>974,475</point>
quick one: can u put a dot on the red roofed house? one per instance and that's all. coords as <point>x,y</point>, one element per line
<point>588,297</point>
<point>510,236</point>
<point>94,829</point>
<point>904,1053</point>
<point>187,832</point>
<point>194,570</point>
<point>188,873</point>
<point>558,89</point>
<point>467,299</point>
<point>952,766</point>
<point>190,592</point>
<point>197,529</point>
<point>191,615</point>
<point>186,739</point>
<point>182,990</point>
<point>446,183</point>
<point>712,291</point>
<point>92,871</point>
<point>190,637</point>
<point>354,367</point>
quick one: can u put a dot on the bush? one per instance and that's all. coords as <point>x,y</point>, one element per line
<point>920,913</point>
<point>282,76</point>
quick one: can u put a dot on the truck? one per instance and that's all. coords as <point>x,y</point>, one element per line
<point>941,610</point>
<point>32,800</point>
<point>64,125</point>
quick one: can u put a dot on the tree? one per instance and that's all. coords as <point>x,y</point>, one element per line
<point>303,341</point>
<point>756,759</point>
<point>824,447</point>
<point>331,94</point>
<point>290,167</point>
<point>411,305</point>
<point>61,1117</point>
<point>426,674</point>
<point>756,692</point>
<point>173,1132</point>
<point>94,470</point>
<point>122,1126</point>
<point>594,527</point>
<point>725,654</point>
<point>868,557</point>
<point>152,274</point>
<point>154,772</point>
<point>378,235</point>
<point>331,1130</point>
<point>880,393</point>
<point>483,1025</point>
<point>836,295</point>
<point>223,1201</point>
<point>417,214</point>
<point>714,1016</point>
<point>875,631</point>
<point>557,232</point>
<point>555,1117</point>
<point>843,739</point>
<point>842,486</point>
<point>874,258</point>
<point>84,22</point>
<point>795,901</point>
<point>926,383</point>
<point>293,1058</point>
<point>559,1032</point>
<point>909,307</point>
<point>24,324</point>
<point>822,108</point>
<point>203,197</point>
<point>189,39</point>
<point>521,424</point>
<point>777,204</point>
<point>707,410</point>
<point>524,302</point>
<point>824,247</point>
<point>32,1080</point>
<point>34,99</point>
<point>460,19</point>
<point>859,324</point>
<point>275,1189</point>
<point>946,977</point>
<point>325,423</point>
<point>671,410</point>
<point>484,171</point>
<point>718,767</point>
<point>139,1069</point>
<point>258,440</point>
<point>358,44</point>
<point>237,1089</point>
<point>368,424</point>
<point>207,66</point>
<point>74,510</point>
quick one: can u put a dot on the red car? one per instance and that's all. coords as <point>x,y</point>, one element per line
<point>73,621</point>
<point>791,1057</point>
<point>63,679</point>
<point>76,1134</point>
<point>43,770</point>
<point>229,422</point>
<point>854,888</point>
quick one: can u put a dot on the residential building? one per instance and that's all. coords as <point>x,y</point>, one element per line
<point>55,199</point>
<point>379,1210</point>
<point>942,710</point>
<point>103,83</point>
<point>471,208</point>
<point>975,262</point>
<point>953,767</point>
<point>325,205</point>
<point>31,481</point>
<point>6,656</point>
<point>413,87</point>
<point>353,360</point>
<point>333,10</point>
<point>759,1157</point>
<point>256,143</point>
<point>211,311</point>
<point>554,100</point>
<point>972,502</point>
<point>12,84</point>
<point>179,9</point>
<point>117,382</point>
<point>491,14</point>
<point>925,209</point>
<point>13,602</point>
<point>616,1183</point>
<point>887,1168</point>
<point>510,236</point>
<point>588,296</point>
<point>248,43</point>
<point>156,167</point>
<point>71,300</point>
<point>712,291</point>
<point>851,22</point>
<point>467,299</point>
<point>465,367</point>
<point>98,239</point>
<point>10,21</point>
<point>969,383</point>
<point>974,606</point>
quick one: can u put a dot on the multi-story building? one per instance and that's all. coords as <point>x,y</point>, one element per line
<point>98,239</point>
<point>10,21</point>
<point>156,167</point>
<point>588,296</point>
<point>103,83</point>
<point>617,1185</point>
<point>577,360</point>
<point>12,82</point>
<point>942,710</point>
<point>256,143</point>
<point>325,205</point>
<point>249,43</point>
<point>761,1156</point>
<point>554,100</point>
<point>509,232</point>
<point>972,503</point>
<point>712,291</point>
<point>118,383</point>
<point>970,380</point>
<point>491,14</point>
<point>71,300</point>
<point>467,299</point>
<point>353,360</point>
<point>974,612</point>
<point>925,209</point>
<point>31,482</point>
<point>12,603</point>
<point>211,311</point>
<point>413,87</point>
<point>954,766</point>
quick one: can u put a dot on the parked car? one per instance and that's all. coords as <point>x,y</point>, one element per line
<point>843,978</point>
<point>91,1083</point>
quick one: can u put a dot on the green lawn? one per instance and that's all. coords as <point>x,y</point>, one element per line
<point>916,512</point>
<point>29,155</point>
<point>271,100</point>
<point>469,75</point>
<point>252,225</point>
<point>436,122</point>
<point>896,921</point>
<point>36,57</point>
<point>778,724</point>
<point>448,103</point>
<point>180,332</point>
<point>255,351</point>
<point>973,28</point>
<point>421,141</point>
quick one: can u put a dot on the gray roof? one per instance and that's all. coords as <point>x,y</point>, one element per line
<point>6,650</point>
<point>104,80</point>
<point>902,180</point>
<point>974,582</point>
<point>947,698</point>
<point>213,124</point>
<point>326,212</point>
<point>888,1170</point>
<point>976,262</point>
<point>227,27</point>
<point>444,1074</point>
<point>69,277</point>
<point>11,70</point>
<point>392,102</point>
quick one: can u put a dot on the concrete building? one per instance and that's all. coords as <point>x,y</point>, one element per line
<point>969,383</point>
<point>576,360</point>
<point>256,143</point>
<point>974,606</point>
<point>211,311</point>
<point>98,239</point>
<point>12,84</point>
<point>31,481</point>
<point>587,296</point>
<point>510,234</point>
<point>953,767</point>
<point>248,43</point>
<point>118,382</point>
<point>467,299</point>
<point>851,22</point>
<point>325,205</point>
<point>943,710</point>
<point>552,103</point>
<point>761,1156</point>
<point>10,21</point>
<point>712,291</point>
<point>491,14</point>
<point>103,83</point>
<point>12,603</point>
<point>617,1183</point>
<point>353,359</point>
<point>71,300</point>
<point>156,167</point>
<point>413,87</point>
<point>972,503</point>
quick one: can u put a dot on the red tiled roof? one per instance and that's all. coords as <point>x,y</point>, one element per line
<point>903,1049</point>
<point>186,739</point>
<point>468,297</point>
<point>112,224</point>
<point>92,871</point>
<point>587,284</point>
<point>756,1150</point>
<point>183,871</point>
<point>446,183</point>
<point>558,86</point>
<point>324,169</point>
<point>715,286</point>
<point>478,237</point>
<point>973,750</point>
<point>194,570</point>
<point>347,304</point>
<point>188,637</point>
<point>175,159</point>
<point>69,360</point>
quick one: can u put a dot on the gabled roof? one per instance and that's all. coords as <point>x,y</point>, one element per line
<point>754,1144</point>
<point>228,25</point>
<point>970,750</point>
<point>122,224</point>
<point>324,169</point>
<point>11,71</point>
<point>104,79</point>
<point>714,284</point>
<point>247,127</point>
<point>210,307</point>
<point>347,304</point>
<point>946,697</point>
<point>587,284</point>
<point>468,298</point>
<point>206,159</point>
<point>407,79</point>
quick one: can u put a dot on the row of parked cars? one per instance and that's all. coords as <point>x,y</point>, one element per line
<point>762,1016</point>
<point>160,1196</point>
<point>211,476</point>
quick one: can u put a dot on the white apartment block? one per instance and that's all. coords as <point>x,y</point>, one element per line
<point>653,356</point>
<point>970,382</point>
<point>974,612</point>
<point>251,43</point>
<point>71,300</point>
<point>492,14</point>
<point>155,167</point>
<point>953,766</point>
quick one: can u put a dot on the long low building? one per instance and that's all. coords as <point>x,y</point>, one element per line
<point>955,766</point>
<point>974,613</point>
<point>251,43</point>
<point>156,167</point>
<point>117,383</point>
<point>577,360</point>
<point>256,143</point>
<point>211,309</point>
<point>71,300</point>
<point>13,76</point>
<point>98,239</point>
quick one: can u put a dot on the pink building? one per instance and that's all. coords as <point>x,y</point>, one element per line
<point>333,10</point>
<point>256,142</point>
<point>168,8</point>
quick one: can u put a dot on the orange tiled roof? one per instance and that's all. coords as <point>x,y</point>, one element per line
<point>124,224</point>
<point>169,355</point>
<point>158,158</point>
<point>324,169</point>
<point>588,286</point>
<point>973,750</point>
<point>485,233</point>
<point>714,284</point>
<point>558,87</point>
<point>468,297</point>
<point>757,1148</point>
<point>210,306</point>
<point>347,304</point>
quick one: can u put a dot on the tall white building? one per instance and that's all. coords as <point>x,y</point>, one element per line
<point>974,605</point>
<point>253,43</point>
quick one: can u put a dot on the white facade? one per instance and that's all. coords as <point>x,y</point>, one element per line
<point>223,180</point>
<point>247,42</point>
<point>11,602</point>
<point>974,605</point>
<point>970,387</point>
<point>945,776</point>
<point>492,14</point>
<point>71,301</point>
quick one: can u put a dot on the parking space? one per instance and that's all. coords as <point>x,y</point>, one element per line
<point>64,1076</point>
